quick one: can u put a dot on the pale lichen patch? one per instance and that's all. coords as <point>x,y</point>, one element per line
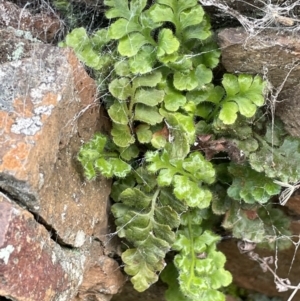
<point>46,110</point>
<point>27,126</point>
<point>5,253</point>
<point>18,52</point>
<point>79,239</point>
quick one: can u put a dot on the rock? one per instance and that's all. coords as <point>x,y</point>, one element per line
<point>269,53</point>
<point>249,275</point>
<point>44,25</point>
<point>56,272</point>
<point>32,265</point>
<point>101,281</point>
<point>254,15</point>
<point>294,203</point>
<point>41,108</point>
<point>15,45</point>
<point>48,108</point>
<point>288,108</point>
<point>274,55</point>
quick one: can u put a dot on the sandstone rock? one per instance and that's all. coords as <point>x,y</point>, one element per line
<point>14,45</point>
<point>273,55</point>
<point>48,108</point>
<point>44,26</point>
<point>101,281</point>
<point>32,265</point>
<point>255,15</point>
<point>248,273</point>
<point>42,100</point>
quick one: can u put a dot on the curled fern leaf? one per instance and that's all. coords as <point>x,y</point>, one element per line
<point>96,157</point>
<point>250,185</point>
<point>182,14</point>
<point>87,49</point>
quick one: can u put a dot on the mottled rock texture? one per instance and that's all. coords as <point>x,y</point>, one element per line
<point>103,277</point>
<point>53,223</point>
<point>32,265</point>
<point>44,25</point>
<point>42,98</point>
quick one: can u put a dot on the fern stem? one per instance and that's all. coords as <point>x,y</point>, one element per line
<point>153,201</point>
<point>212,115</point>
<point>178,28</point>
<point>192,252</point>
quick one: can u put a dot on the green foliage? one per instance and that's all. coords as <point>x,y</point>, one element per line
<point>200,265</point>
<point>277,228</point>
<point>243,93</point>
<point>278,162</point>
<point>250,185</point>
<point>149,229</point>
<point>95,156</point>
<point>168,121</point>
<point>186,176</point>
<point>260,225</point>
<point>170,276</point>
<point>87,48</point>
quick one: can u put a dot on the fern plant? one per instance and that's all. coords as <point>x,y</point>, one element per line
<point>169,120</point>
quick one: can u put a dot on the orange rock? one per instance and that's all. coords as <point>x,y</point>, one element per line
<point>48,109</point>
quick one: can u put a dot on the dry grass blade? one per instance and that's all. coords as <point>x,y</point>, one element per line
<point>287,192</point>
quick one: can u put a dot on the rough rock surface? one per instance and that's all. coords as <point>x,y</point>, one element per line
<point>103,277</point>
<point>254,14</point>
<point>48,109</point>
<point>273,55</point>
<point>248,273</point>
<point>32,265</point>
<point>44,25</point>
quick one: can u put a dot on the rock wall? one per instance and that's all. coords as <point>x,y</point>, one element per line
<point>44,25</point>
<point>54,242</point>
